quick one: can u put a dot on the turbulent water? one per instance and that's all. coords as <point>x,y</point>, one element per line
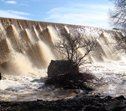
<point>26,48</point>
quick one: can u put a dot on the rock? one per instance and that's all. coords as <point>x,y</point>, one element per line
<point>65,74</point>
<point>78,103</point>
<point>60,67</point>
<point>120,97</point>
<point>68,81</point>
<point>0,76</point>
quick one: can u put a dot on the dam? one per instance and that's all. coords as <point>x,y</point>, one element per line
<point>27,47</point>
<point>34,43</point>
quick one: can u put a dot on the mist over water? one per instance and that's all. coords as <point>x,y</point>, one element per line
<point>27,47</point>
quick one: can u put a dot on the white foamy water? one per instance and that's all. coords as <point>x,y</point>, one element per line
<point>29,87</point>
<point>14,86</point>
<point>111,77</point>
<point>111,80</point>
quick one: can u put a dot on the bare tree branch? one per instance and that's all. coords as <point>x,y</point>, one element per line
<point>72,43</point>
<point>119,14</point>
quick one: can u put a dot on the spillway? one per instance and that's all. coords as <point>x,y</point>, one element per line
<point>27,47</point>
<point>35,41</point>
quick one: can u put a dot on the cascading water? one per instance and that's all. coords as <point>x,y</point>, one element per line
<point>44,53</point>
<point>27,47</point>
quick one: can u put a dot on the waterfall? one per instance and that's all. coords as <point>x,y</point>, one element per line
<point>25,45</point>
<point>44,53</point>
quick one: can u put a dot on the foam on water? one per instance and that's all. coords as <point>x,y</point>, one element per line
<point>111,77</point>
<point>13,87</point>
<point>111,81</point>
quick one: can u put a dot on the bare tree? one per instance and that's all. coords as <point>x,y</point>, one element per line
<point>72,44</point>
<point>118,15</point>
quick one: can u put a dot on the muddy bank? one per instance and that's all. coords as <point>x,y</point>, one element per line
<point>81,102</point>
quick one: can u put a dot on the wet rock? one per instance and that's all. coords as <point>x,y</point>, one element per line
<point>61,67</point>
<point>0,76</point>
<point>79,103</point>
<point>68,81</point>
<point>93,108</point>
<point>62,73</point>
<point>120,97</point>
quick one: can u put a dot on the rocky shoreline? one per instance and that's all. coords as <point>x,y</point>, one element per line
<point>81,102</point>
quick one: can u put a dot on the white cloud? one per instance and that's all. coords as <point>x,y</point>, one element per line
<point>18,12</point>
<point>13,14</point>
<point>84,14</point>
<point>10,1</point>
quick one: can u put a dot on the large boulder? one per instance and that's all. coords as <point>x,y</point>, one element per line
<point>65,74</point>
<point>61,67</point>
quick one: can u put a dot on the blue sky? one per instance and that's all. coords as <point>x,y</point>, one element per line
<point>82,12</point>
